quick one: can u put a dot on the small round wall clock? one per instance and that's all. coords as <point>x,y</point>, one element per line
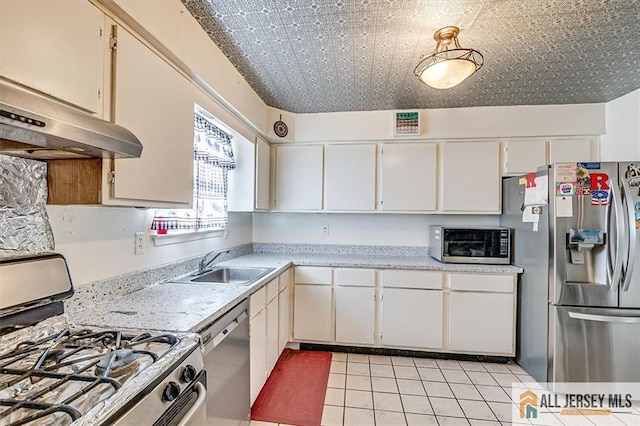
<point>280,128</point>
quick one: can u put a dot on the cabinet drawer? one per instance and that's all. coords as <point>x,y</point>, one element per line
<point>285,279</point>
<point>272,290</point>
<point>482,282</point>
<point>355,277</point>
<point>312,275</point>
<point>412,279</point>
<point>257,301</point>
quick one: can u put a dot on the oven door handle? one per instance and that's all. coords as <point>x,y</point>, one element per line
<point>202,397</point>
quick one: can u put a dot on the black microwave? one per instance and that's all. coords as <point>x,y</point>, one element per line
<point>451,244</point>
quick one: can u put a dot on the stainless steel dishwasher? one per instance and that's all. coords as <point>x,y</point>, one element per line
<point>226,361</point>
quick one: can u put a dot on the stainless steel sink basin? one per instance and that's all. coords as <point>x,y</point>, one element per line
<point>227,276</point>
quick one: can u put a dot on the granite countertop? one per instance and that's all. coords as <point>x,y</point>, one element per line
<point>168,306</point>
<point>366,261</point>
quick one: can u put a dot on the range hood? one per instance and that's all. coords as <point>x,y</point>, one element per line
<point>33,125</point>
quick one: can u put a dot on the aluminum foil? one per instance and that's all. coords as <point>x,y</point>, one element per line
<point>24,223</point>
<point>105,409</point>
<point>132,387</point>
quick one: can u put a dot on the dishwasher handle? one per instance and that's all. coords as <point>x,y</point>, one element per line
<point>211,342</point>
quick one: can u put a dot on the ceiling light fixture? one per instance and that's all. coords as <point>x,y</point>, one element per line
<point>448,66</point>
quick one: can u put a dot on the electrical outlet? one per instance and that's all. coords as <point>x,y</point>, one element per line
<point>325,230</point>
<point>139,243</point>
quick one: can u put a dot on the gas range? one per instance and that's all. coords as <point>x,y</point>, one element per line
<point>56,373</point>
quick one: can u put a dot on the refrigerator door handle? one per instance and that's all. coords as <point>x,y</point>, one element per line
<point>604,318</point>
<point>631,254</point>
<point>616,274</point>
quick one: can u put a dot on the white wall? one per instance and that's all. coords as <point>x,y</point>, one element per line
<point>357,229</point>
<point>98,242</point>
<point>457,123</point>
<point>622,139</point>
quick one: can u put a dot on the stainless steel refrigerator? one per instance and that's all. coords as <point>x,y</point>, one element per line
<point>579,295</point>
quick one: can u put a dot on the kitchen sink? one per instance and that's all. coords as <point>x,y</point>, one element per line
<point>226,276</point>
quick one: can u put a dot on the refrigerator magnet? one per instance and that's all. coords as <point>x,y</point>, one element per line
<point>637,220</point>
<point>633,170</point>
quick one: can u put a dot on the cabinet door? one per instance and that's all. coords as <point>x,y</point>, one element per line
<point>412,318</point>
<point>284,321</point>
<point>299,177</point>
<point>263,174</point>
<point>241,185</point>
<point>570,150</point>
<point>350,176</point>
<point>312,312</point>
<point>482,322</point>
<point>156,103</point>
<point>471,177</point>
<point>408,178</point>
<point>273,323</point>
<point>258,352</point>
<point>56,47</point>
<point>524,156</point>
<point>355,315</point>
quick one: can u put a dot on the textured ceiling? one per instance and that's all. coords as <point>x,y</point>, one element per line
<point>359,55</point>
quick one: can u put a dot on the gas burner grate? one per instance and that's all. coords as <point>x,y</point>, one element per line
<point>62,376</point>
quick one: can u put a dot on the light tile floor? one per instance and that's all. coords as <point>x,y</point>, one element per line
<point>395,391</point>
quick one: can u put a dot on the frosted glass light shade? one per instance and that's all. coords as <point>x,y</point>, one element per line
<point>449,64</point>
<point>447,73</point>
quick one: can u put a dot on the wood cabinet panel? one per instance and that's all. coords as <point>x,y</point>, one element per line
<point>482,322</point>
<point>471,177</point>
<point>355,315</point>
<point>412,279</point>
<point>525,156</point>
<point>350,176</point>
<point>299,171</point>
<point>409,177</point>
<point>156,103</point>
<point>412,318</point>
<point>258,353</point>
<point>56,47</point>
<point>312,313</point>
<point>263,174</point>
<point>312,275</point>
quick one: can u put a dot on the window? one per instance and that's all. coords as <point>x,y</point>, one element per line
<point>213,158</point>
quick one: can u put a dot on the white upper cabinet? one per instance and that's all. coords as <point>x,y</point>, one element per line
<point>55,47</point>
<point>156,103</point>
<point>471,177</point>
<point>299,177</point>
<point>240,195</point>
<point>263,174</point>
<point>408,177</point>
<point>350,176</point>
<point>572,150</point>
<point>524,156</point>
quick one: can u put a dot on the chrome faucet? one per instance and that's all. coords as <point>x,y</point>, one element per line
<point>204,264</point>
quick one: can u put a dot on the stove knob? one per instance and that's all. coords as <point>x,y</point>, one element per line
<point>171,392</point>
<point>188,374</point>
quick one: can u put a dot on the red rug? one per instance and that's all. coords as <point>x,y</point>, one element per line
<point>294,392</point>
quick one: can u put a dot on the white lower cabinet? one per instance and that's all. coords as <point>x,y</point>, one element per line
<point>257,353</point>
<point>312,312</point>
<point>482,313</point>
<point>284,317</point>
<point>273,325</point>
<point>268,330</point>
<point>412,317</point>
<point>437,311</point>
<point>481,322</point>
<point>355,315</point>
